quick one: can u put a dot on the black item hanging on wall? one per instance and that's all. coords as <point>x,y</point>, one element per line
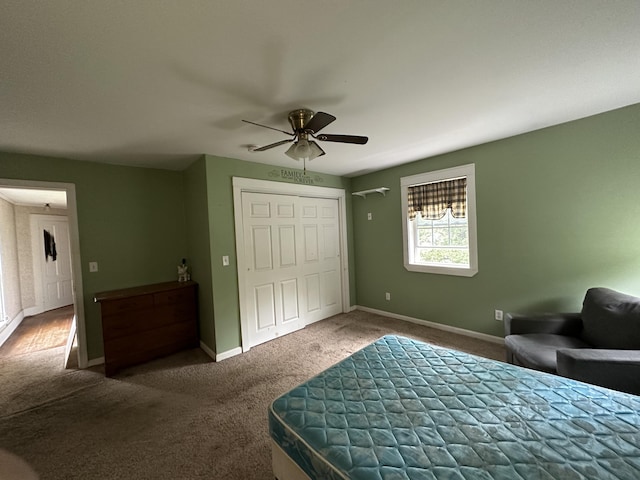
<point>49,247</point>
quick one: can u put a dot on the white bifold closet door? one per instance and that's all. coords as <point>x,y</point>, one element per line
<point>292,254</point>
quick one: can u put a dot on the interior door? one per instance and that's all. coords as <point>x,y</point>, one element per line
<point>271,231</point>
<point>55,259</point>
<point>320,263</point>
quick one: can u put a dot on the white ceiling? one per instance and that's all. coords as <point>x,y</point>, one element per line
<point>157,82</point>
<point>34,197</point>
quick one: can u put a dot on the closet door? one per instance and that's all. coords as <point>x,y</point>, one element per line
<point>271,233</point>
<point>292,260</point>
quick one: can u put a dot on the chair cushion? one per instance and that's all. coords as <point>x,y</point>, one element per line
<point>538,350</point>
<point>611,319</point>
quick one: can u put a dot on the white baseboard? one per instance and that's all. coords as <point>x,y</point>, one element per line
<point>10,327</point>
<point>207,350</point>
<point>95,361</point>
<point>31,311</point>
<point>228,354</point>
<point>439,326</point>
<point>218,357</point>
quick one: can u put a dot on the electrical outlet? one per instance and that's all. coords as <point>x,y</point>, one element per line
<point>387,296</point>
<point>93,266</point>
<point>498,315</point>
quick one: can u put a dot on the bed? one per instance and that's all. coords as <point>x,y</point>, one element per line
<point>404,409</point>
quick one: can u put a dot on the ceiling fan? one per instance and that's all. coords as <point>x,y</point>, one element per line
<point>306,123</point>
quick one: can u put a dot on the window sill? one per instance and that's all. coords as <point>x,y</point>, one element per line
<point>455,271</point>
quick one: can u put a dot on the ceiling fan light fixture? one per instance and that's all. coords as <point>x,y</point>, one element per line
<point>304,150</point>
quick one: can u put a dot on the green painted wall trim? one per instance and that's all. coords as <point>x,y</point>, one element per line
<point>220,172</point>
<point>131,221</point>
<point>557,213</point>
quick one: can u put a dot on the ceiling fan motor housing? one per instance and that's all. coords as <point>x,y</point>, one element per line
<point>299,118</point>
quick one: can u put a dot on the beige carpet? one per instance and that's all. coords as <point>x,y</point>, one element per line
<point>181,417</point>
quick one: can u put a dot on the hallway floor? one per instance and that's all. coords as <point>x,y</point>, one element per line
<point>39,332</point>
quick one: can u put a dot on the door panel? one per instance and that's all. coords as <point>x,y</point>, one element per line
<point>313,292</point>
<point>286,210</point>
<point>289,289</point>
<point>260,209</point>
<point>331,296</point>
<point>262,252</point>
<point>310,243</point>
<point>287,245</point>
<point>330,239</point>
<point>265,308</point>
<point>309,211</point>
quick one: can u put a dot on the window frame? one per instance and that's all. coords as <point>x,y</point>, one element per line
<point>467,171</point>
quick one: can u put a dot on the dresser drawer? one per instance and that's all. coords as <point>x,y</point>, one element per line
<point>118,306</point>
<point>183,296</point>
<point>126,323</point>
<point>157,339</point>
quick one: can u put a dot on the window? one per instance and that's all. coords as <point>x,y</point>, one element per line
<point>439,226</point>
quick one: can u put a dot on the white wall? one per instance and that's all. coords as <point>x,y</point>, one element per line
<point>9,256</point>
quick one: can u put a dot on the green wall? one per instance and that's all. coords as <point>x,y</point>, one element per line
<point>131,221</point>
<point>219,174</point>
<point>557,213</point>
<point>199,235</point>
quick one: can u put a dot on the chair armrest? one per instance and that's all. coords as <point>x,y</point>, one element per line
<point>569,324</point>
<point>616,369</point>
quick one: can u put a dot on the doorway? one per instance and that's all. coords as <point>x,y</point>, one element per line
<point>30,194</point>
<point>292,261</point>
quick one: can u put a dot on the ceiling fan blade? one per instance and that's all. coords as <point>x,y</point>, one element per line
<point>344,139</point>
<point>319,121</point>
<point>271,128</point>
<point>272,145</point>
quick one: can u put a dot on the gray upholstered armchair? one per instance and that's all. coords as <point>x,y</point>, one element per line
<point>600,345</point>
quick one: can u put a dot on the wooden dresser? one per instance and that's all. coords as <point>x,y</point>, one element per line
<point>146,322</point>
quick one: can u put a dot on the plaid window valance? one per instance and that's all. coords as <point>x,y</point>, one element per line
<point>433,199</point>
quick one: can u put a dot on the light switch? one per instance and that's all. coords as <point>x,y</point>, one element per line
<point>225,261</point>
<point>369,216</point>
<point>93,266</point>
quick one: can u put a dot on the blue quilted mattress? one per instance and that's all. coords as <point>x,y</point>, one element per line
<point>403,409</point>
